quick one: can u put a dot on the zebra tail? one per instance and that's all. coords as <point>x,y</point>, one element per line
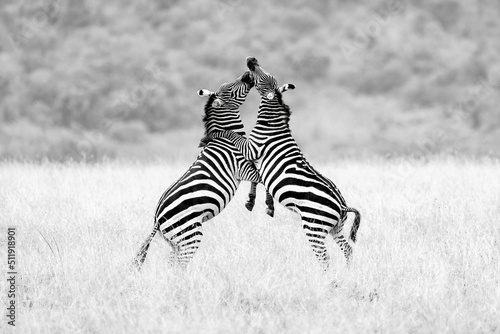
<point>355,225</point>
<point>143,251</point>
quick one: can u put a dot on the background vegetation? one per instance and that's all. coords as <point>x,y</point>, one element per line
<point>426,260</point>
<point>87,79</point>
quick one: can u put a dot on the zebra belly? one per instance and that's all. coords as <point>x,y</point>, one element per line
<point>310,209</point>
<point>193,203</point>
<point>306,195</point>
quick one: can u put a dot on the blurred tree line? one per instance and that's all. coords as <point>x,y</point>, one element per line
<point>87,79</point>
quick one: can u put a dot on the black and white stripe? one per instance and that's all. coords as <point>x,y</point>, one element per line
<point>287,175</point>
<point>210,183</point>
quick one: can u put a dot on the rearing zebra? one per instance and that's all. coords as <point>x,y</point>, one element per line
<point>287,175</point>
<point>210,183</point>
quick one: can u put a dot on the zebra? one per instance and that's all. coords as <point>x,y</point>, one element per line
<point>287,175</point>
<point>211,181</point>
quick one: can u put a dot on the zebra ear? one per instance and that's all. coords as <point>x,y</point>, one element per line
<point>286,87</point>
<point>204,92</point>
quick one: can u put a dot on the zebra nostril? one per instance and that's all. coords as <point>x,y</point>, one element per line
<point>251,63</point>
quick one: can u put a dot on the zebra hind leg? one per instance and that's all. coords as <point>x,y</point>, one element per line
<point>187,245</point>
<point>316,237</point>
<point>251,196</point>
<point>344,247</point>
<point>338,236</point>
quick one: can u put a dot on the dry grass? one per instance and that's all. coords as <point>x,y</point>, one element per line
<point>427,257</point>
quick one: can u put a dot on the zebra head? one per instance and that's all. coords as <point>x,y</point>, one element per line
<point>272,105</point>
<point>265,83</point>
<point>230,96</point>
<point>222,107</point>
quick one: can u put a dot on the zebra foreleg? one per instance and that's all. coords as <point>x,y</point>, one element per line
<point>248,172</point>
<point>270,204</point>
<point>251,196</point>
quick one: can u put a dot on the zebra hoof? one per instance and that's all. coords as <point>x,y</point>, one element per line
<point>249,206</point>
<point>137,264</point>
<point>270,212</point>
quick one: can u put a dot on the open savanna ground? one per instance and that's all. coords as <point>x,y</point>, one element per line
<point>427,257</point>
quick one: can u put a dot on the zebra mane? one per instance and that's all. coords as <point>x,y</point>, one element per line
<point>205,140</point>
<point>285,106</point>
<point>208,105</point>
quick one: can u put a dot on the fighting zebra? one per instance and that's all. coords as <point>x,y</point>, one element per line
<point>287,175</point>
<point>210,183</point>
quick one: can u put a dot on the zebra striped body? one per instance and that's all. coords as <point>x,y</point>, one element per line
<point>210,183</point>
<point>201,194</point>
<point>287,175</point>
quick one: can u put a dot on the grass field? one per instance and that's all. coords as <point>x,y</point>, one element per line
<point>427,257</point>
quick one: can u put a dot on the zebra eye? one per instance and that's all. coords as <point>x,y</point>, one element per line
<point>217,103</point>
<point>270,96</point>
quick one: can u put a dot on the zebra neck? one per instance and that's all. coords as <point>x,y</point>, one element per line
<point>273,113</point>
<point>227,125</point>
<point>274,123</point>
<point>272,119</point>
<point>225,121</point>
<point>238,128</point>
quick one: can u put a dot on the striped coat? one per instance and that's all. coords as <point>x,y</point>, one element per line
<point>287,175</point>
<point>210,183</point>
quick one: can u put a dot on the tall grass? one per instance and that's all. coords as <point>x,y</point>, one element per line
<point>427,257</point>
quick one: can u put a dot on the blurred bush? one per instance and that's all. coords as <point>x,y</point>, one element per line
<point>88,79</point>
